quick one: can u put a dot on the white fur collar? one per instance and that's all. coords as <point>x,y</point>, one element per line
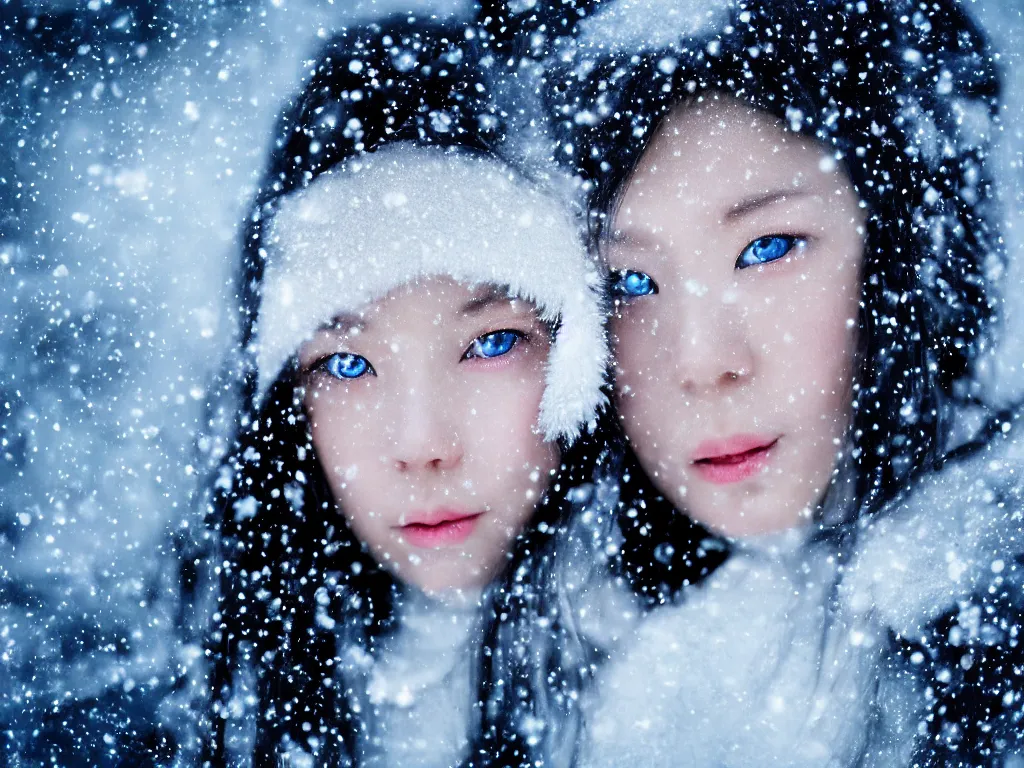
<point>954,530</point>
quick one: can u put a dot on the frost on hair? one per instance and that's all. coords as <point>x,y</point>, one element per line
<point>643,25</point>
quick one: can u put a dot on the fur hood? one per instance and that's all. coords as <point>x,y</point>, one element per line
<point>940,571</point>
<point>952,534</point>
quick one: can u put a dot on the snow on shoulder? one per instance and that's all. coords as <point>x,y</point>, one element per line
<point>361,230</point>
<point>938,545</point>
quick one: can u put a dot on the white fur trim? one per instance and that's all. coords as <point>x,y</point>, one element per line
<point>955,529</point>
<point>404,212</point>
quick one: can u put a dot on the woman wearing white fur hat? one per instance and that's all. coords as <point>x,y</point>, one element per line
<point>423,340</point>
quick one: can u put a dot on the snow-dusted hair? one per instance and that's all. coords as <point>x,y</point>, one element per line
<point>405,103</point>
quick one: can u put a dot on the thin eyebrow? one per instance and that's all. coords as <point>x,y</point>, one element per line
<point>344,322</point>
<point>748,205</point>
<point>629,238</point>
<point>479,303</point>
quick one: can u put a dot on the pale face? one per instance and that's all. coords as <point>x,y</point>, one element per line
<point>423,410</point>
<point>738,248</point>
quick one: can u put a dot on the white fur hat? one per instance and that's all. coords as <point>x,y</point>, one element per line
<point>361,230</point>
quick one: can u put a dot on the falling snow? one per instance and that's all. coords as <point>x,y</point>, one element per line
<point>136,138</point>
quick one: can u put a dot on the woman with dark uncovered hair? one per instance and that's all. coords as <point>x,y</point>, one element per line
<point>794,207</point>
<point>422,342</point>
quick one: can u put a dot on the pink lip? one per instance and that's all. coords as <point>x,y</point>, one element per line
<point>439,527</point>
<point>734,458</point>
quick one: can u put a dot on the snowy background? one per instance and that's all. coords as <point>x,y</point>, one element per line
<point>133,135</point>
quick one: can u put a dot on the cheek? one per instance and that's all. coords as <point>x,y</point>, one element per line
<point>804,333</point>
<point>641,370</point>
<point>338,425</point>
<point>635,344</point>
<point>344,432</point>
<point>499,428</point>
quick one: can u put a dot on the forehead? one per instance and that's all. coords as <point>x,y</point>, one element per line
<point>716,148</point>
<point>431,300</point>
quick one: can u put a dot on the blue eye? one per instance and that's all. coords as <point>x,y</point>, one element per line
<point>493,344</point>
<point>629,283</point>
<point>342,365</point>
<point>767,249</point>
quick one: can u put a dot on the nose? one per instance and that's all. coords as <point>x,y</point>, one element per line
<point>424,434</point>
<point>713,349</point>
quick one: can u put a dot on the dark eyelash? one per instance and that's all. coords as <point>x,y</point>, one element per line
<point>521,336</point>
<point>524,335</point>
<point>316,365</point>
<point>614,280</point>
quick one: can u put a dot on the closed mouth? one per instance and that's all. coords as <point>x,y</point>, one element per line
<point>727,459</point>
<point>444,529</point>
<point>732,467</point>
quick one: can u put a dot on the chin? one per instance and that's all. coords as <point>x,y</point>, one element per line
<point>449,580</point>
